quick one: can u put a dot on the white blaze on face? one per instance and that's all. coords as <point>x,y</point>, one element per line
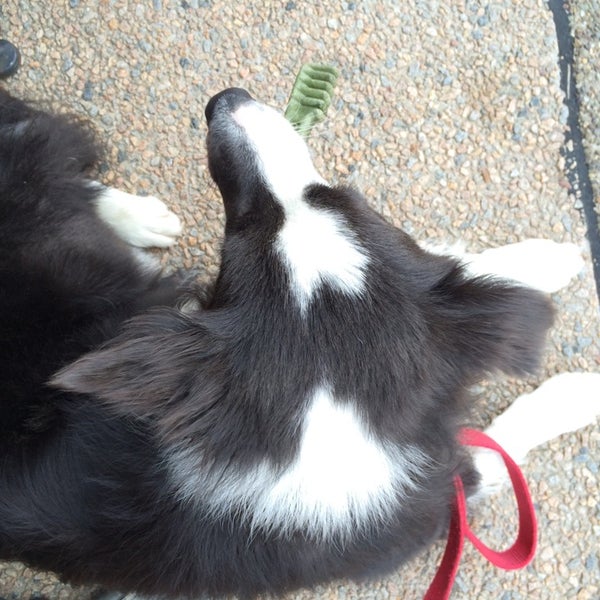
<point>283,155</point>
<point>316,245</point>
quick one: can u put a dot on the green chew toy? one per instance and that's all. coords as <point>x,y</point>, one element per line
<point>311,96</point>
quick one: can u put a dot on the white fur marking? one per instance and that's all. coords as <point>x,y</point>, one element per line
<point>341,479</point>
<point>148,262</point>
<point>562,404</point>
<point>315,245</point>
<point>316,249</point>
<point>143,221</point>
<point>340,470</point>
<point>190,306</point>
<point>283,155</point>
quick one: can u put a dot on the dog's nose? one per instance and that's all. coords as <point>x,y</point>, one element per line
<point>229,99</point>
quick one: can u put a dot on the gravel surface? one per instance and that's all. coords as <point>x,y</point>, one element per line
<point>585,24</point>
<point>448,115</point>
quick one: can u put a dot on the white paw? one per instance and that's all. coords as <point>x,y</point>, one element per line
<point>564,403</point>
<point>142,221</point>
<point>542,264</point>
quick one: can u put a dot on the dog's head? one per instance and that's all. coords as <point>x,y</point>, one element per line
<point>261,165</point>
<point>324,318</point>
<point>278,208</point>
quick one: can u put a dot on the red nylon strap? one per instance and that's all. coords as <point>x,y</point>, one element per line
<point>442,583</point>
<point>517,556</point>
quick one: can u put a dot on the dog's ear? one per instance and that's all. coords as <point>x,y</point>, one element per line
<point>150,368</point>
<point>493,324</point>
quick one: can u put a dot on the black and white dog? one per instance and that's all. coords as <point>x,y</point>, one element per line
<point>296,424</point>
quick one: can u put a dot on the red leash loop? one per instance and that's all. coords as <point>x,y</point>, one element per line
<point>517,556</point>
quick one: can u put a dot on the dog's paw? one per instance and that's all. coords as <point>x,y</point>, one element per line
<point>562,404</point>
<point>148,222</point>
<point>542,264</point>
<point>142,221</point>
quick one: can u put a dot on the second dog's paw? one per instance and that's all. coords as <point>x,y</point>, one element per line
<point>142,221</point>
<point>542,264</point>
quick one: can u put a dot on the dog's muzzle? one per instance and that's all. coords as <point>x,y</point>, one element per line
<point>228,100</point>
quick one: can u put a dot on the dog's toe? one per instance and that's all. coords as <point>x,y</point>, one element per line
<point>155,224</point>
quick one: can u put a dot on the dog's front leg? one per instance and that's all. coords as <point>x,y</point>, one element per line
<point>562,404</point>
<point>538,263</point>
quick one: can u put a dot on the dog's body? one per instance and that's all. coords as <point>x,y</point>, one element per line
<point>300,426</point>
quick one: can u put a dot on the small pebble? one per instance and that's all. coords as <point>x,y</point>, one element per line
<point>591,563</point>
<point>145,46</point>
<point>88,91</point>
<point>461,136</point>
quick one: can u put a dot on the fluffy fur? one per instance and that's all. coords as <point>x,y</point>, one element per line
<point>300,426</point>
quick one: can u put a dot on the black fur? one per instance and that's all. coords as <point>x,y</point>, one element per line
<point>84,487</point>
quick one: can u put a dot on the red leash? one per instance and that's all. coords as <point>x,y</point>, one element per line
<point>517,556</point>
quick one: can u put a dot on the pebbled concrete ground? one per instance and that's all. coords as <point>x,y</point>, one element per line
<point>584,16</point>
<point>448,115</point>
